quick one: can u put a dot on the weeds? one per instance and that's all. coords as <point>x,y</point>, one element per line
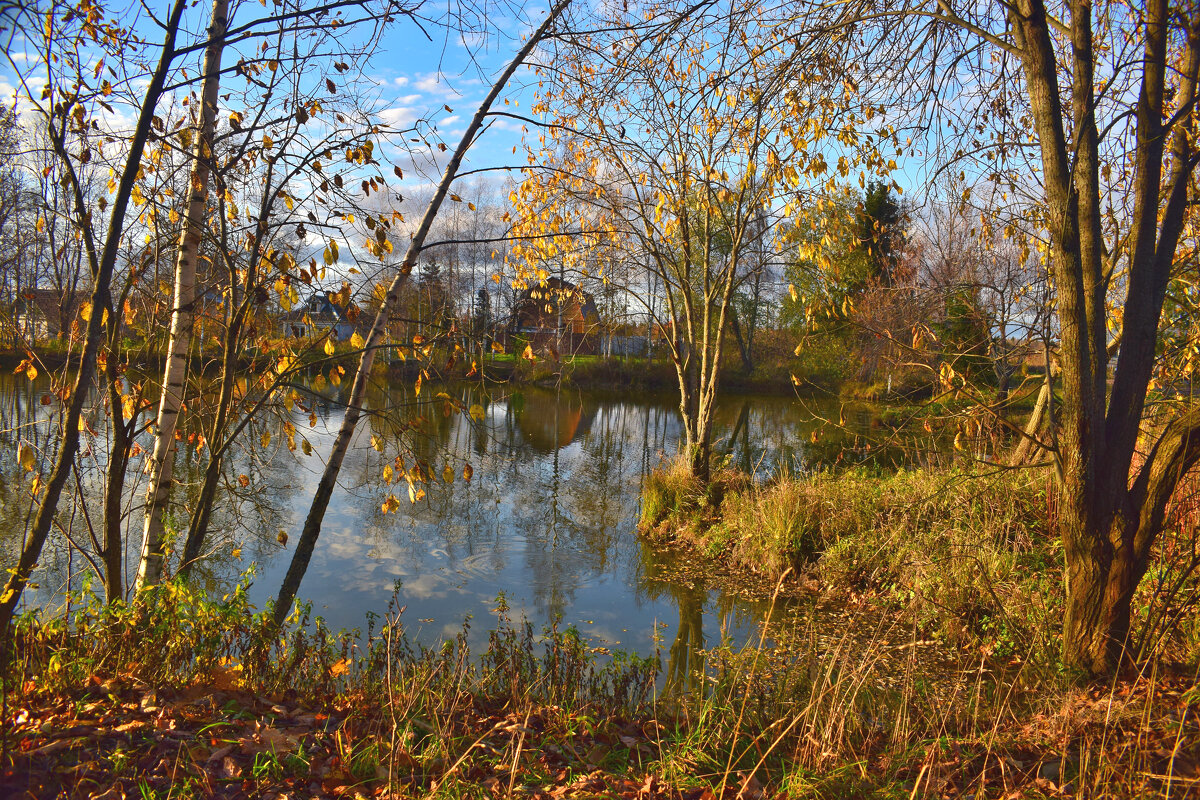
<point>926,671</point>
<point>930,656</point>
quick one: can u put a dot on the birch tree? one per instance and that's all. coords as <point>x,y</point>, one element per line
<point>74,66</point>
<point>70,101</point>
<point>278,194</point>
<point>686,148</point>
<point>162,459</point>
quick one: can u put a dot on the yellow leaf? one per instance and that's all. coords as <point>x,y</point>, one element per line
<point>467,472</point>
<point>266,438</point>
<point>31,372</point>
<point>237,552</point>
<point>448,474</point>
<point>387,473</point>
<point>127,406</point>
<point>330,348</point>
<point>377,443</point>
<point>476,411</point>
<point>306,447</point>
<point>417,387</point>
<point>26,456</point>
<point>357,342</point>
<point>340,667</point>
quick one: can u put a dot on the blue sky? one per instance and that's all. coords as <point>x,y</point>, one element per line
<point>419,77</point>
<point>415,74</point>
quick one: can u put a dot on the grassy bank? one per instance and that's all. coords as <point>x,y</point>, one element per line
<point>969,566</point>
<point>962,555</point>
<point>182,696</point>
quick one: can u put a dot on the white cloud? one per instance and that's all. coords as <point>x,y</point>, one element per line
<point>399,116</point>
<point>450,120</point>
<point>504,124</point>
<point>432,83</point>
<point>426,586</point>
<point>401,81</point>
<point>442,87</point>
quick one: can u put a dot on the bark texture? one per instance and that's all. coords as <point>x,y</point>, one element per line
<point>1112,505</point>
<point>162,459</point>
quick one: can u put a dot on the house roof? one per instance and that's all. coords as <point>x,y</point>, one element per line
<point>542,304</point>
<point>51,303</point>
<point>324,307</point>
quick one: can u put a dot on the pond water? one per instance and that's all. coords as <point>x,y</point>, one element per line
<point>547,519</point>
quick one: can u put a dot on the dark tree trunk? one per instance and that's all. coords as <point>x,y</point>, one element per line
<point>102,265</point>
<point>1108,519</point>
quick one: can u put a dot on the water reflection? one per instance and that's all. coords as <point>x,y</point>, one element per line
<point>547,518</point>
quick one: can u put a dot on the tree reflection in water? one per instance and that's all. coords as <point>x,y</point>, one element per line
<point>548,516</point>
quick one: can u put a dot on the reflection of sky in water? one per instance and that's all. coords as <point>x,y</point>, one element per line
<point>548,518</point>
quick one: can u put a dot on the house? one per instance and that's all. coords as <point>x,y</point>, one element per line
<point>43,313</point>
<point>556,316</point>
<point>322,311</point>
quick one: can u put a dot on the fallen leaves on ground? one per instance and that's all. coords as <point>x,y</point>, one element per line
<point>114,739</point>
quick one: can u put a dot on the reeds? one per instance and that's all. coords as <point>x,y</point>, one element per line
<point>927,668</point>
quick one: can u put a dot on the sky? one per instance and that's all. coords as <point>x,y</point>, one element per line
<point>420,75</point>
<point>434,72</point>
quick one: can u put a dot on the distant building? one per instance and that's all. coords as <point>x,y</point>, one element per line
<point>43,313</point>
<point>556,316</point>
<point>319,313</point>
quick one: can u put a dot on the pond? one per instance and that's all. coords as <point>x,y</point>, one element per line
<point>547,518</point>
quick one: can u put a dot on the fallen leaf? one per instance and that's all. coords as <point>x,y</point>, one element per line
<point>230,768</point>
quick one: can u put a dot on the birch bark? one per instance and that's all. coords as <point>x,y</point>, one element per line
<point>162,460</point>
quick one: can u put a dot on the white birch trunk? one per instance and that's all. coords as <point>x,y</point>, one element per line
<point>162,460</point>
